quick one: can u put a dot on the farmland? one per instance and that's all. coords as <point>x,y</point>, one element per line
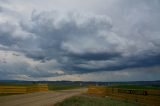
<point>121,94</point>
<point>116,95</point>
<point>129,93</point>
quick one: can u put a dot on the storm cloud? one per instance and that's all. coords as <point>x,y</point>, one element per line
<point>50,42</point>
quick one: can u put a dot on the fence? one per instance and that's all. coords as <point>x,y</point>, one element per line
<point>12,89</point>
<point>23,89</point>
<point>37,88</point>
<point>150,97</point>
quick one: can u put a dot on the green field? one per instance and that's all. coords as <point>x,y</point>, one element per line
<point>62,87</point>
<point>94,101</point>
<point>136,87</point>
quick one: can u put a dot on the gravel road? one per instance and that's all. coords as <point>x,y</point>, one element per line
<point>39,98</point>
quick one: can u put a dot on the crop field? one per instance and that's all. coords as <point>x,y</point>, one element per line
<point>95,101</point>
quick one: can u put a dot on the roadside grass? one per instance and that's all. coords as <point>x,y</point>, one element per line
<point>95,101</point>
<point>136,87</point>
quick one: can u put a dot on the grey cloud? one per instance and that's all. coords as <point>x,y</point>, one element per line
<point>81,38</point>
<point>126,37</point>
<point>52,30</point>
<point>12,68</point>
<point>134,74</point>
<point>5,38</point>
<point>95,56</point>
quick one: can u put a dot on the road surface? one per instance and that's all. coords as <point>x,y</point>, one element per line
<point>39,98</point>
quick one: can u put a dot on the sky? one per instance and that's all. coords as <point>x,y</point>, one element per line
<point>91,40</point>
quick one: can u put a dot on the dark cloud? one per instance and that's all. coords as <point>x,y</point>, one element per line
<point>123,63</point>
<point>126,37</point>
<point>94,56</point>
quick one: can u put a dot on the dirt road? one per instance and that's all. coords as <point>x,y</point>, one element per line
<point>39,99</point>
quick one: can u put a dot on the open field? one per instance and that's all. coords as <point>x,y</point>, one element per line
<point>63,87</point>
<point>136,87</point>
<point>122,94</point>
<point>95,101</point>
<point>145,96</point>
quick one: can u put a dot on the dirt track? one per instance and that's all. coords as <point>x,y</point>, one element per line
<point>38,99</point>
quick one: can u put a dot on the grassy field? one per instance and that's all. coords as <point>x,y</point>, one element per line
<point>94,101</point>
<point>136,87</point>
<point>62,87</point>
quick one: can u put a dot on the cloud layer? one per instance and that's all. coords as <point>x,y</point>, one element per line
<point>62,42</point>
